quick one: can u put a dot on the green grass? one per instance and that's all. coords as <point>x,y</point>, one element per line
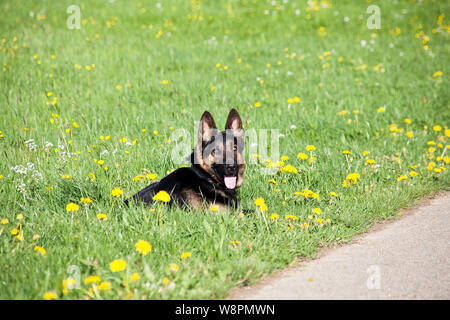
<point>329,73</point>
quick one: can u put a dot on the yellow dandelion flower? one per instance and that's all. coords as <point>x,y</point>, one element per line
<point>116,192</point>
<point>86,200</point>
<point>353,177</point>
<point>302,156</point>
<point>236,243</point>
<point>185,255</point>
<point>151,176</point>
<point>137,178</point>
<point>437,128</point>
<point>15,232</point>
<point>91,176</point>
<point>310,148</point>
<point>50,295</point>
<point>317,210</point>
<point>104,286</point>
<point>135,277</point>
<point>68,284</point>
<point>143,247</point>
<point>289,168</point>
<point>402,177</point>
<point>274,216</point>
<point>259,201</point>
<point>102,217</point>
<point>40,249</point>
<point>162,196</point>
<point>117,265</point>
<point>92,279</point>
<point>72,207</point>
<point>173,267</point>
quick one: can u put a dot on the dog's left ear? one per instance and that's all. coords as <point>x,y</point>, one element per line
<point>234,123</point>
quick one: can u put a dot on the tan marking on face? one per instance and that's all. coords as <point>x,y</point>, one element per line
<point>205,163</point>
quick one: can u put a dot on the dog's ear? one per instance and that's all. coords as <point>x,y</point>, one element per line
<point>206,127</point>
<point>234,123</point>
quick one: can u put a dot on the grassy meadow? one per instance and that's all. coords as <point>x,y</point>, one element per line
<point>90,116</point>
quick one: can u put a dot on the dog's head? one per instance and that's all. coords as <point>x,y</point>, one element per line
<point>220,153</point>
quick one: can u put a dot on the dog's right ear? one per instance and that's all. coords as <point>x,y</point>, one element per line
<point>206,127</point>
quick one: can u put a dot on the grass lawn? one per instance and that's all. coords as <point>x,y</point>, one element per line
<point>100,108</point>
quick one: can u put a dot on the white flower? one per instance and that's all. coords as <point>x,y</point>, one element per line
<point>31,145</point>
<point>48,145</point>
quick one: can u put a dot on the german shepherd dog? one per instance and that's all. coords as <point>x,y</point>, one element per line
<point>216,171</point>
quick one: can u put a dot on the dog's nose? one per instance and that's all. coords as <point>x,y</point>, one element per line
<point>230,169</point>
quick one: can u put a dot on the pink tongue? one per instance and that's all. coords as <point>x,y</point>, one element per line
<point>230,182</point>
